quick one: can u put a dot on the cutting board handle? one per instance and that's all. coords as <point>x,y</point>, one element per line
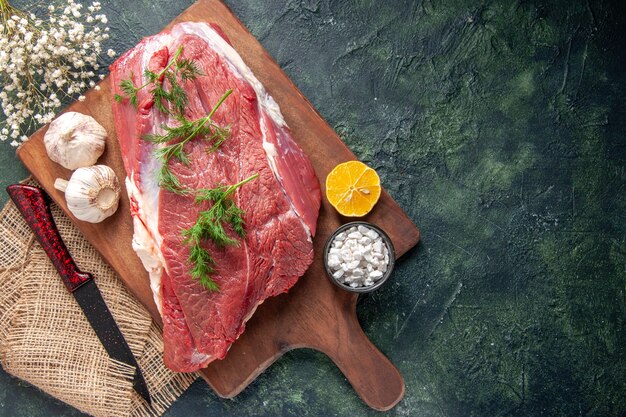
<point>374,378</point>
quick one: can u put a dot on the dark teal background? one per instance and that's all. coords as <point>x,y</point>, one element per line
<point>499,127</point>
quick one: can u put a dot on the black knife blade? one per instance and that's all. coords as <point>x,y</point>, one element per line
<point>33,205</point>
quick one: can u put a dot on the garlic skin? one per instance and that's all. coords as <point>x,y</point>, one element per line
<point>75,140</point>
<point>92,193</point>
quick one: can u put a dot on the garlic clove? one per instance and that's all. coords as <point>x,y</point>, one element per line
<point>75,140</point>
<point>92,193</point>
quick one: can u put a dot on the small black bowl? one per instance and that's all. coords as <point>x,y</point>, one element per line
<point>386,241</point>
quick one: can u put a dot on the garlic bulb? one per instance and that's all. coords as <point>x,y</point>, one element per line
<point>92,193</point>
<point>74,140</point>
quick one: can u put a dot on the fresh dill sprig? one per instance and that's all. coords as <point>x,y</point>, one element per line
<point>211,225</point>
<point>129,90</point>
<point>168,181</point>
<point>186,69</point>
<point>180,135</point>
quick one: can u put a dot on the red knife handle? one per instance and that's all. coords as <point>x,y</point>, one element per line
<point>32,202</point>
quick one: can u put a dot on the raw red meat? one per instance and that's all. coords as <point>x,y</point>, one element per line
<point>281,205</point>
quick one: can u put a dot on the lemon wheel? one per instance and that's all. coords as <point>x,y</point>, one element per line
<point>353,188</point>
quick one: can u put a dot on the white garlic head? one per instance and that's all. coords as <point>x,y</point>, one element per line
<point>92,193</point>
<point>75,140</point>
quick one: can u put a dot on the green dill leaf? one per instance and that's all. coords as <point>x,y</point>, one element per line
<point>217,234</point>
<point>210,194</point>
<point>211,224</point>
<point>236,220</point>
<point>188,69</point>
<point>152,76</point>
<point>168,181</point>
<point>155,138</point>
<point>202,267</point>
<point>218,136</point>
<point>129,89</point>
<point>160,97</point>
<point>176,95</point>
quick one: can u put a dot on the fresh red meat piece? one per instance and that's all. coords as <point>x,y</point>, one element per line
<point>281,206</point>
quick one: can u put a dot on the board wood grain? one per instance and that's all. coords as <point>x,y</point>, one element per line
<point>315,313</point>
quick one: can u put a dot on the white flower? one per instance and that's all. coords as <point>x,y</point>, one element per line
<point>111,53</point>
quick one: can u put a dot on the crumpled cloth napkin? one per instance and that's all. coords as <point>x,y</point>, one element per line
<point>46,340</point>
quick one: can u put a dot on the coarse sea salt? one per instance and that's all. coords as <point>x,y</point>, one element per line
<point>358,257</point>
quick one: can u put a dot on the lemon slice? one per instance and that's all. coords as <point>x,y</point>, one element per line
<point>353,188</point>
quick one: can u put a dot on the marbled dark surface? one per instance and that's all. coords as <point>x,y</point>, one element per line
<point>499,126</point>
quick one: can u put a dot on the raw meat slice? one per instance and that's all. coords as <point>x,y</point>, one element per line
<point>281,206</point>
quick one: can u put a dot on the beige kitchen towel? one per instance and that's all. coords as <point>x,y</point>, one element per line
<point>46,340</point>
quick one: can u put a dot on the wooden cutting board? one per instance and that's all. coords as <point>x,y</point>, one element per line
<point>315,313</point>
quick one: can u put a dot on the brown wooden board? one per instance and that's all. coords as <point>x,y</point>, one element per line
<point>315,313</point>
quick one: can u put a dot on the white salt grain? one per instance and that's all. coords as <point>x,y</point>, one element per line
<point>376,275</point>
<point>372,234</point>
<point>352,265</point>
<point>333,261</point>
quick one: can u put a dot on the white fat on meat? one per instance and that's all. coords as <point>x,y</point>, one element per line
<point>146,241</point>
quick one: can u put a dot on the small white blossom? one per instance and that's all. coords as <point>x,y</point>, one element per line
<point>111,53</point>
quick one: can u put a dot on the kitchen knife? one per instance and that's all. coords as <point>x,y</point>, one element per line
<point>33,204</point>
